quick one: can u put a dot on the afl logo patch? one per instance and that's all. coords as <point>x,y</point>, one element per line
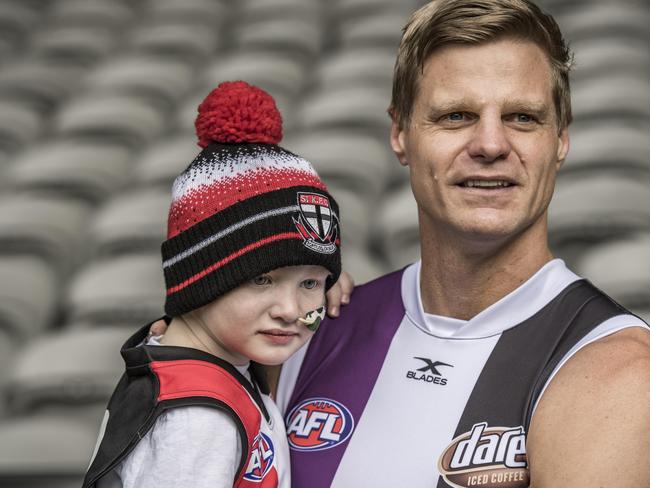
<point>261,459</point>
<point>317,424</point>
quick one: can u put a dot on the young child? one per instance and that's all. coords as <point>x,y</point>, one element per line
<point>253,244</point>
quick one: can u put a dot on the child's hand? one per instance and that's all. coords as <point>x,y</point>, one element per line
<point>158,328</point>
<point>339,294</point>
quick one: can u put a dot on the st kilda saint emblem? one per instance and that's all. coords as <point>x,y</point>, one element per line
<point>317,223</point>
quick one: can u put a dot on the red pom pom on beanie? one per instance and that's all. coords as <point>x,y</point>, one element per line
<point>236,112</point>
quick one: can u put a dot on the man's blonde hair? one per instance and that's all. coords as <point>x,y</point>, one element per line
<point>446,22</point>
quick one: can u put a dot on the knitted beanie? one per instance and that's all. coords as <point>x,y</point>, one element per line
<point>245,206</point>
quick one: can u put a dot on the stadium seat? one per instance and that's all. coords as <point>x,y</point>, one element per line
<point>72,367</point>
<point>91,171</point>
<point>213,13</point>
<point>133,222</point>
<point>20,124</point>
<point>398,231</point>
<point>621,268</point>
<point>176,40</point>
<point>382,29</point>
<point>117,118</point>
<point>612,95</point>
<point>354,9</point>
<point>356,162</point>
<point>28,297</point>
<point>358,107</point>
<point>600,19</point>
<point>91,13</point>
<point>295,38</point>
<point>127,290</point>
<point>74,45</point>
<point>46,450</point>
<point>612,146</point>
<point>161,81</point>
<point>361,265</point>
<point>353,67</point>
<point>49,227</point>
<point>599,205</point>
<point>165,159</point>
<point>16,23</point>
<point>23,81</point>
<point>603,55</point>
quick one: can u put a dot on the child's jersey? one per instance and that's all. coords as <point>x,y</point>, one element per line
<point>388,395</point>
<point>174,401</point>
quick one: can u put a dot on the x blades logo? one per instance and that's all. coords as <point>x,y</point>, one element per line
<point>422,374</point>
<point>492,457</point>
<point>317,424</point>
<point>261,459</point>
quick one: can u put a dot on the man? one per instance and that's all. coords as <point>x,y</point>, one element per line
<point>489,363</point>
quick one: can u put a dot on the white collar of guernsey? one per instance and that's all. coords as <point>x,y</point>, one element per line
<point>514,308</point>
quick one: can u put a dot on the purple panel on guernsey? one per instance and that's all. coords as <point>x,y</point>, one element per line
<point>337,376</point>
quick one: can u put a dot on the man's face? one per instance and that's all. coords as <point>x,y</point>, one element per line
<point>483,145</point>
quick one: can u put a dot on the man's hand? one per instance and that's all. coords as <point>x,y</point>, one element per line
<point>592,425</point>
<point>338,295</point>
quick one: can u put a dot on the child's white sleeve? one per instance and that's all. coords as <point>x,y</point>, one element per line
<point>188,446</point>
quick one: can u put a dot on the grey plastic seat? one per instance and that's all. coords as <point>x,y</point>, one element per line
<point>612,95</point>
<point>164,160</point>
<point>49,227</point>
<point>610,146</point>
<point>22,81</point>
<point>361,265</point>
<point>16,23</point>
<point>159,80</point>
<point>357,107</point>
<point>190,12</point>
<point>67,368</point>
<point>45,450</point>
<point>298,38</point>
<point>365,66</point>
<point>357,162</point>
<point>308,10</point>
<point>621,268</point>
<point>92,13</point>
<point>91,171</point>
<point>175,40</point>
<point>111,117</point>
<point>382,29</point>
<point>598,206</point>
<point>28,297</point>
<point>606,18</point>
<point>127,290</point>
<point>353,9</point>
<point>398,231</point>
<point>131,222</point>
<point>78,45</point>
<point>19,125</point>
<point>602,55</point>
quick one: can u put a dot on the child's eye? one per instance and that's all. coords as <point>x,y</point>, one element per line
<point>261,280</point>
<point>310,284</point>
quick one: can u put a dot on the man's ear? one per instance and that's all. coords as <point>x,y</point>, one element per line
<point>563,147</point>
<point>397,142</point>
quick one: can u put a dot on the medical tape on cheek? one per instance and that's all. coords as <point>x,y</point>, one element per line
<point>313,319</point>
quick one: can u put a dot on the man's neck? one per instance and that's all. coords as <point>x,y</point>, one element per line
<point>460,281</point>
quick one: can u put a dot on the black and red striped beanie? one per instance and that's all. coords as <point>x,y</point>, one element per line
<point>245,206</point>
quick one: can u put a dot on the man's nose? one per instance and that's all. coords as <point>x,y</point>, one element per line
<point>489,141</point>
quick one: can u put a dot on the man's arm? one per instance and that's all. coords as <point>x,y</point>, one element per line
<point>592,425</point>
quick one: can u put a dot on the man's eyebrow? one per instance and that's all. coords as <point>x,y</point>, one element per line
<point>527,106</point>
<point>437,109</point>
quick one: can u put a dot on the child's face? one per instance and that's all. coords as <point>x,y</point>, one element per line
<point>259,319</point>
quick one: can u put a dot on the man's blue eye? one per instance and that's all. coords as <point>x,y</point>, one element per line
<point>524,118</point>
<point>456,116</point>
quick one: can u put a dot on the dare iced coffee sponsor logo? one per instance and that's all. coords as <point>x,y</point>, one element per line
<point>491,457</point>
<point>317,424</point>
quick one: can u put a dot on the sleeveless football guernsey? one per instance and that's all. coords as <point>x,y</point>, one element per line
<point>159,378</point>
<point>389,396</point>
